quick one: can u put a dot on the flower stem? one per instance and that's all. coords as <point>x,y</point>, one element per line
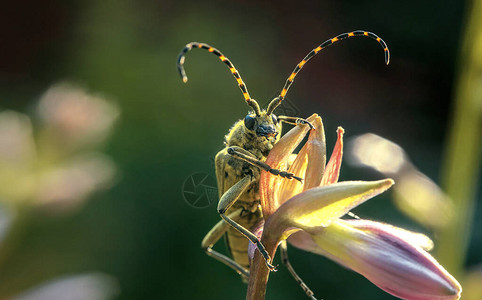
<point>259,272</point>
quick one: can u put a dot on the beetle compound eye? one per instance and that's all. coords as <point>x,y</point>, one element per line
<point>274,118</point>
<point>249,122</point>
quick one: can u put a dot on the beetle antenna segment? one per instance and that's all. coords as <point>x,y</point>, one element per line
<point>276,101</point>
<point>180,67</point>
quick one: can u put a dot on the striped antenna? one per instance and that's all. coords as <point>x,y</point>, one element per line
<point>277,101</point>
<point>180,67</point>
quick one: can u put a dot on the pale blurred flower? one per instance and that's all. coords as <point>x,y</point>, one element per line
<point>49,167</point>
<point>423,200</point>
<point>378,153</point>
<point>68,185</point>
<point>415,194</point>
<point>76,116</point>
<point>54,167</point>
<point>91,286</point>
<point>17,156</point>
<point>16,139</point>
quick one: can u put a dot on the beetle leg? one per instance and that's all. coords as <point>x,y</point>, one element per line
<point>235,152</point>
<point>295,121</point>
<point>286,262</point>
<point>227,200</point>
<point>213,237</point>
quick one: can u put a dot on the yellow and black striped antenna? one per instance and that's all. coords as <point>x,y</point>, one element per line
<point>180,66</point>
<point>277,101</point>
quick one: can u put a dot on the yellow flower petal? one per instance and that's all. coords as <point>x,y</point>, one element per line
<point>277,159</point>
<point>289,188</point>
<point>316,208</point>
<point>309,164</point>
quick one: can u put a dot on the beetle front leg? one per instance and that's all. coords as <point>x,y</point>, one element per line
<point>227,200</point>
<point>295,121</point>
<point>240,153</point>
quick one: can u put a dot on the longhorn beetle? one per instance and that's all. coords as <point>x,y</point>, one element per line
<point>238,165</point>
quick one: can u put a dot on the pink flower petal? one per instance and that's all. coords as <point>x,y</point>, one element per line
<point>416,239</point>
<point>303,240</point>
<point>396,264</point>
<point>332,170</point>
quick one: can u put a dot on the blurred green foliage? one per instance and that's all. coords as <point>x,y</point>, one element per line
<point>141,231</point>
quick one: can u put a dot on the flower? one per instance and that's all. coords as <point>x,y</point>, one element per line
<point>308,215</point>
<point>93,285</point>
<point>75,117</point>
<point>415,194</point>
<point>56,165</point>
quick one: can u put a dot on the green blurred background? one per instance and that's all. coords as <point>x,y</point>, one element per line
<point>142,231</point>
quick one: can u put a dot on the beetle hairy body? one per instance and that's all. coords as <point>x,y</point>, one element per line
<point>230,170</point>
